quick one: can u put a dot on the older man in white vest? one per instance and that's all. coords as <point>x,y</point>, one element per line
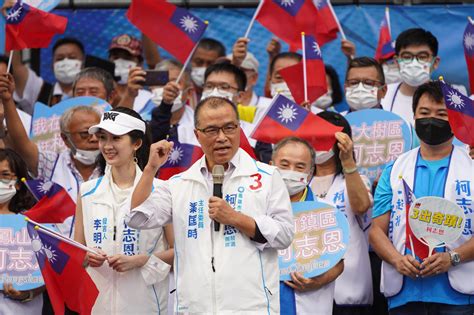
<point>234,269</point>
<point>441,283</point>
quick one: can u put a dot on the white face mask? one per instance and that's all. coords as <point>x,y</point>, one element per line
<point>122,68</point>
<point>157,97</point>
<point>323,156</point>
<point>281,88</point>
<point>66,70</point>
<point>295,181</point>
<point>359,97</point>
<point>86,157</point>
<point>323,102</point>
<point>216,92</point>
<point>197,75</point>
<point>415,73</point>
<point>7,191</point>
<point>391,73</point>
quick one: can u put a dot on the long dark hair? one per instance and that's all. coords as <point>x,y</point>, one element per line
<point>144,151</point>
<point>23,200</point>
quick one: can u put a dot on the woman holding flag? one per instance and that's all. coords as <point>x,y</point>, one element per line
<point>129,263</point>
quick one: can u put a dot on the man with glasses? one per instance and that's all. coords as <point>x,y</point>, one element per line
<point>416,53</point>
<point>234,269</point>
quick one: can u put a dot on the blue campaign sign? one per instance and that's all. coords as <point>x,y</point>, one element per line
<point>18,264</point>
<point>45,5</point>
<point>45,129</point>
<point>379,137</point>
<point>321,239</point>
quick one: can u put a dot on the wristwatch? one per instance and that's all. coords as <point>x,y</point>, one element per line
<point>455,258</point>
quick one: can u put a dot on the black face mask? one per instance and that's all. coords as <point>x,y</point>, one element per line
<point>432,130</point>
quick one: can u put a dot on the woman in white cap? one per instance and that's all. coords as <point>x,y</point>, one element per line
<point>129,268</point>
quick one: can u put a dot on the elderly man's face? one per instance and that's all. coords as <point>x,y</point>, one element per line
<point>218,132</point>
<point>294,157</point>
<point>90,87</point>
<point>78,133</point>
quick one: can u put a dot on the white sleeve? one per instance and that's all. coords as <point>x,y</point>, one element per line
<point>277,225</point>
<point>155,270</point>
<point>33,86</point>
<point>155,211</point>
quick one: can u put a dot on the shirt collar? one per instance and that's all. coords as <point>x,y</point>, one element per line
<point>72,167</point>
<point>233,164</point>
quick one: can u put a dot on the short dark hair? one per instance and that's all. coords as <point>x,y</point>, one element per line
<point>98,74</point>
<point>226,66</point>
<point>335,84</point>
<point>283,55</point>
<point>365,62</point>
<point>293,139</point>
<point>212,44</point>
<point>434,91</point>
<point>4,59</point>
<point>416,36</point>
<point>213,102</point>
<point>68,40</point>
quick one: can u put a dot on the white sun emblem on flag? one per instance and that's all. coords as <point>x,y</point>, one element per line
<point>176,155</point>
<point>287,3</point>
<point>189,24</point>
<point>50,253</point>
<point>45,187</point>
<point>469,41</point>
<point>316,48</point>
<point>14,15</point>
<point>287,113</point>
<point>455,99</point>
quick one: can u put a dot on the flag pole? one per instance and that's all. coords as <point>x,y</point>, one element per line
<point>387,17</point>
<point>24,181</point>
<point>9,66</point>
<point>257,11</point>
<point>343,35</point>
<point>305,79</point>
<point>186,63</point>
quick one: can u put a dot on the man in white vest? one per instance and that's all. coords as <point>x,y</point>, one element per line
<point>234,269</point>
<point>441,283</point>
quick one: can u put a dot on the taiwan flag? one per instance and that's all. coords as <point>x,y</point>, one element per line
<point>54,203</point>
<point>28,27</point>
<point>175,29</point>
<point>460,113</point>
<point>181,157</point>
<point>61,264</point>
<point>315,73</point>
<point>469,52</point>
<point>385,47</point>
<point>328,19</point>
<point>285,118</point>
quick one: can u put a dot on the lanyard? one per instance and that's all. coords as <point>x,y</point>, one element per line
<point>395,96</point>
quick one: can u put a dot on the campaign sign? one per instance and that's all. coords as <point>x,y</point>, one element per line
<point>321,239</point>
<point>45,128</point>
<point>379,137</point>
<point>436,221</point>
<point>18,264</point>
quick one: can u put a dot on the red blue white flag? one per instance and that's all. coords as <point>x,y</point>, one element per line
<point>385,46</point>
<point>468,43</point>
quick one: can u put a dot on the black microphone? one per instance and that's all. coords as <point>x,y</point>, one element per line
<point>218,179</point>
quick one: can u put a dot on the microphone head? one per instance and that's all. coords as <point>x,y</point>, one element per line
<point>218,174</point>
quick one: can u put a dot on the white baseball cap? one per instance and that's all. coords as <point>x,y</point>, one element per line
<point>249,63</point>
<point>118,123</point>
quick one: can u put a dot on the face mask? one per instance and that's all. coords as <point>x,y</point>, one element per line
<point>323,156</point>
<point>361,98</point>
<point>66,70</point>
<point>415,73</point>
<point>197,75</point>
<point>157,97</point>
<point>7,191</point>
<point>324,101</point>
<point>295,181</point>
<point>122,68</point>
<point>432,130</point>
<point>218,93</point>
<point>391,73</point>
<point>281,88</point>
<point>86,157</point>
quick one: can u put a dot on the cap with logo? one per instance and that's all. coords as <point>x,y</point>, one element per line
<point>128,43</point>
<point>118,123</point>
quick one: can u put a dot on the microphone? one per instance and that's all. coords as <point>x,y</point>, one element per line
<point>218,179</point>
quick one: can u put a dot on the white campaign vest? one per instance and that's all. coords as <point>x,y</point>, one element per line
<point>354,285</point>
<point>461,168</point>
<point>139,291</point>
<point>316,302</point>
<point>238,262</point>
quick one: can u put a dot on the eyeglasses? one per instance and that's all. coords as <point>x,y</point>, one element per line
<point>213,131</point>
<point>366,83</point>
<point>7,177</point>
<point>84,135</point>
<point>421,57</point>
<point>219,86</point>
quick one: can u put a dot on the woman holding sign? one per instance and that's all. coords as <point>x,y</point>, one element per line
<point>15,198</point>
<point>131,267</point>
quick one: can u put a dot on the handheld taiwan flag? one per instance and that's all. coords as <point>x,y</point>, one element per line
<point>54,203</point>
<point>61,264</point>
<point>285,118</point>
<point>315,74</point>
<point>181,157</point>
<point>175,29</point>
<point>469,51</point>
<point>460,113</point>
<point>28,27</point>
<point>385,47</point>
<point>328,18</point>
